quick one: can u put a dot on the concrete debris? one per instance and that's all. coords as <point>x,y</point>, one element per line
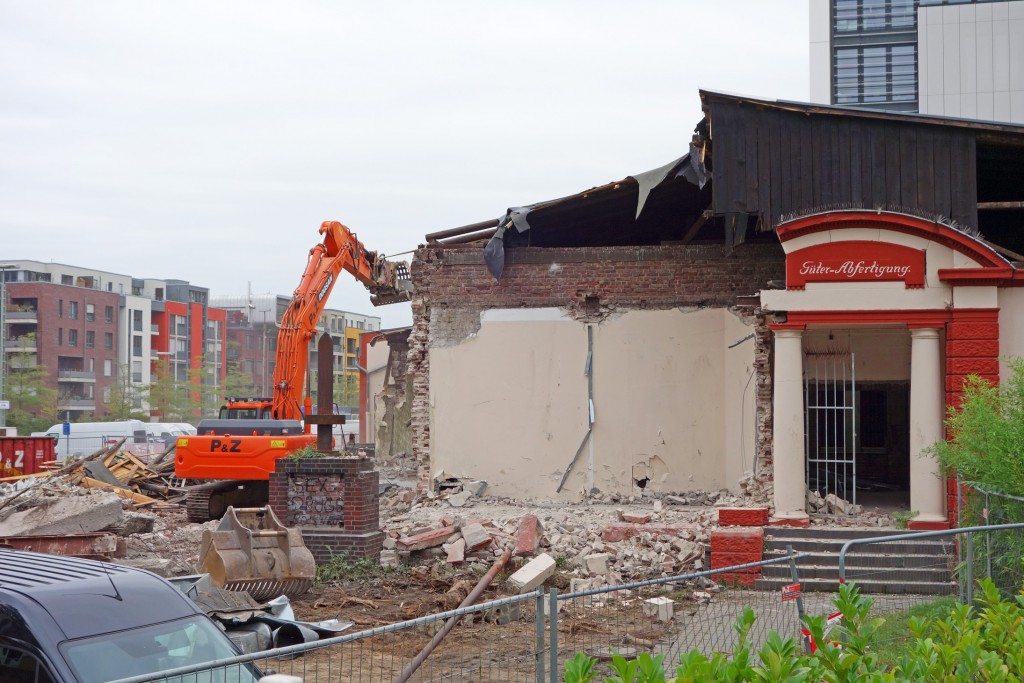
<point>533,574</point>
<point>658,608</point>
<point>65,515</point>
<point>597,564</point>
<point>476,536</point>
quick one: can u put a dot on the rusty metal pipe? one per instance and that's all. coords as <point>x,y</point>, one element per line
<point>452,232</point>
<point>473,596</point>
<point>470,237</point>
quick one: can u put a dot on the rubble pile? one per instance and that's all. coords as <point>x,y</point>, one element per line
<point>594,540</point>
<point>142,484</point>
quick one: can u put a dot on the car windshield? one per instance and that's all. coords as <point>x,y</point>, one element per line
<point>156,648</point>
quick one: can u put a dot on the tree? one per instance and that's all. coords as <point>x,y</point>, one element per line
<point>986,444</point>
<point>33,399</point>
<point>346,391</point>
<point>126,397</point>
<point>170,399</point>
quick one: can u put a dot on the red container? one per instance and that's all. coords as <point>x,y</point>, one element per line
<point>24,454</point>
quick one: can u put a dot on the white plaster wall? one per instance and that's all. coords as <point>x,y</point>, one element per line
<point>820,54</point>
<point>881,354</point>
<point>971,60</point>
<point>376,366</point>
<point>1011,331</point>
<point>509,405</point>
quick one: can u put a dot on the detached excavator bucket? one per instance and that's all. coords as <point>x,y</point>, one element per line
<point>252,551</point>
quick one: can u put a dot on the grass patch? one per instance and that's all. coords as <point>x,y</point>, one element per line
<point>342,567</point>
<point>892,637</point>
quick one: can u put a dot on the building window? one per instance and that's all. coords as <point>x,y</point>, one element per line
<point>66,280</point>
<point>60,336</point>
<point>90,312</point>
<point>108,340</point>
<point>108,314</point>
<point>249,344</point>
<point>60,308</point>
<point>862,16</point>
<point>108,367</point>
<point>883,73</point>
<point>137,321</point>
<point>72,337</point>
<point>137,371</point>
<point>72,310</point>
<point>90,339</point>
<point>136,346</point>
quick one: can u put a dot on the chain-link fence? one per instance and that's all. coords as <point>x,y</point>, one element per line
<point>499,640</point>
<point>529,637</point>
<point>670,616</point>
<point>923,574</point>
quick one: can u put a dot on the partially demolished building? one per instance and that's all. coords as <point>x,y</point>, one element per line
<point>792,304</point>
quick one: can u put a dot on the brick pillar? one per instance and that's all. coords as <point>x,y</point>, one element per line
<point>333,501</point>
<point>736,546</point>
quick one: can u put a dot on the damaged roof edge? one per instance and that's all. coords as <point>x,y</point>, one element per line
<point>707,98</point>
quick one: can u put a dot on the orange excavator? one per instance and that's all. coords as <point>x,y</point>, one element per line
<point>236,453</point>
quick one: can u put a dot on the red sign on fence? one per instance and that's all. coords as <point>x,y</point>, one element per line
<point>790,592</point>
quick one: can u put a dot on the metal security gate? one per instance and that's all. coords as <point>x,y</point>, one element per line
<point>830,434</point>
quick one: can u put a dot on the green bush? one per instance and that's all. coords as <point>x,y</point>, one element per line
<point>960,644</point>
<point>986,444</point>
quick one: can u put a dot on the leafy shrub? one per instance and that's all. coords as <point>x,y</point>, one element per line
<point>963,644</point>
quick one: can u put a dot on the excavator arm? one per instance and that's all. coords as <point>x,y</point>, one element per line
<point>339,251</point>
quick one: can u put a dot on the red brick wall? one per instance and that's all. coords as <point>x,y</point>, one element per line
<point>655,277</point>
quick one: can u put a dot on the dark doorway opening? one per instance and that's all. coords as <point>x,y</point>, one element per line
<point>883,445</point>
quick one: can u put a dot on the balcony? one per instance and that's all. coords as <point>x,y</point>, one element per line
<point>154,329</point>
<point>23,316</point>
<point>20,345</point>
<point>76,403</point>
<point>76,376</point>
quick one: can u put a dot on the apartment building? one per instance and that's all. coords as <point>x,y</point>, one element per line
<point>88,326</point>
<point>253,323</point>
<point>941,57</point>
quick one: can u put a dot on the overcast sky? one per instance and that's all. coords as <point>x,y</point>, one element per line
<point>206,141</point>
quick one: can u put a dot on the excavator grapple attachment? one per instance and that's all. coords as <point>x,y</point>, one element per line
<point>252,551</point>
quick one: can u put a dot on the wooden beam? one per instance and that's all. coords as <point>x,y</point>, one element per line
<point>992,206</point>
<point>697,225</point>
<point>1003,250</point>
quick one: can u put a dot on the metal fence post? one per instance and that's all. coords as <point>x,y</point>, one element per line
<point>795,576</point>
<point>540,636</point>
<point>988,538</point>
<point>553,633</point>
<point>970,568</point>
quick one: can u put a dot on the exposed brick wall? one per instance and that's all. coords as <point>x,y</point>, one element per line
<point>763,403</point>
<point>333,500</point>
<point>452,286</point>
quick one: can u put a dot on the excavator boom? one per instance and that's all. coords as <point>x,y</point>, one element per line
<point>340,250</point>
<point>230,453</point>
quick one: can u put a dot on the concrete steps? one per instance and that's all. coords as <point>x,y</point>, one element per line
<point>922,567</point>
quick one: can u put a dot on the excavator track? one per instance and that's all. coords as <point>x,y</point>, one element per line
<point>204,502</point>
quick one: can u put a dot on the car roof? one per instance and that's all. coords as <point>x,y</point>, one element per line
<point>87,597</point>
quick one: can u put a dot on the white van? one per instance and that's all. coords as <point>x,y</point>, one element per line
<point>163,433</point>
<point>85,438</point>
